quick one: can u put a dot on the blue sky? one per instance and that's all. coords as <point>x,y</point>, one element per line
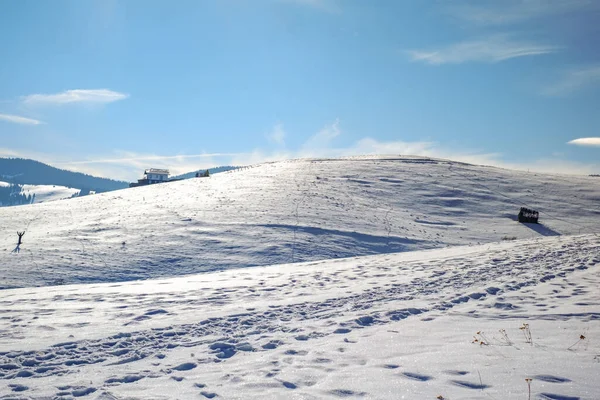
<point>111,87</point>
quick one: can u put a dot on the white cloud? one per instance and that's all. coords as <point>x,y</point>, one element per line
<point>134,157</point>
<point>574,80</point>
<point>491,50</point>
<point>320,141</point>
<point>129,166</point>
<point>514,11</point>
<point>277,135</point>
<point>89,96</point>
<point>319,145</point>
<point>259,156</point>
<point>19,120</point>
<point>589,141</point>
<point>552,166</point>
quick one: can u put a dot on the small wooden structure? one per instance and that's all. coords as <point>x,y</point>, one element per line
<point>528,215</point>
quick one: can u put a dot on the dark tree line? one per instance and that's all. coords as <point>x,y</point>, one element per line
<point>11,196</point>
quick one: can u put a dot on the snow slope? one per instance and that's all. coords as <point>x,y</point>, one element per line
<point>388,326</point>
<point>283,212</point>
<point>45,193</point>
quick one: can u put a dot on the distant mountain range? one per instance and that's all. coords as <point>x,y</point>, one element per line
<point>22,171</point>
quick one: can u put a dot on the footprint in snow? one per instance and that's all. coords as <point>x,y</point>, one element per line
<point>83,392</point>
<point>417,377</point>
<point>455,372</point>
<point>289,385</point>
<point>18,388</point>
<point>470,385</point>
<point>273,344</point>
<point>125,379</point>
<point>296,352</point>
<point>342,330</point>
<point>185,366</point>
<point>346,393</point>
<point>553,396</point>
<point>551,379</point>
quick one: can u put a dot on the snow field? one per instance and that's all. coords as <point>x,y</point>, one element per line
<point>46,193</point>
<point>378,327</point>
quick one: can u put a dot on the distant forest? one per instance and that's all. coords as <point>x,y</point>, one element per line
<point>21,171</point>
<point>210,170</point>
<point>12,196</point>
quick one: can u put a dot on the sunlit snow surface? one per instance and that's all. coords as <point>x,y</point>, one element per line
<point>302,210</point>
<point>384,327</point>
<point>422,324</point>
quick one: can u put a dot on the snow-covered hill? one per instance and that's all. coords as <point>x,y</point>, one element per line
<point>282,212</point>
<point>44,193</point>
<point>31,194</point>
<point>417,283</point>
<point>469,322</point>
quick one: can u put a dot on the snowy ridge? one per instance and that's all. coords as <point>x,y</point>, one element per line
<point>284,212</point>
<point>45,193</point>
<point>380,327</point>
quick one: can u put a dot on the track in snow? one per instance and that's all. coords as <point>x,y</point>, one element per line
<point>275,307</point>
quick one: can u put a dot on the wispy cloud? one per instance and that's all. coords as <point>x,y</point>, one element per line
<point>513,11</point>
<point>15,119</point>
<point>491,50</point>
<point>321,140</point>
<point>277,135</point>
<point>147,157</point>
<point>370,146</point>
<point>574,80</point>
<point>589,141</point>
<point>129,166</point>
<point>320,145</point>
<point>90,96</point>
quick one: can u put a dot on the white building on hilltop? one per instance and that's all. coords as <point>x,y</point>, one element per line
<point>152,176</point>
<point>155,175</point>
